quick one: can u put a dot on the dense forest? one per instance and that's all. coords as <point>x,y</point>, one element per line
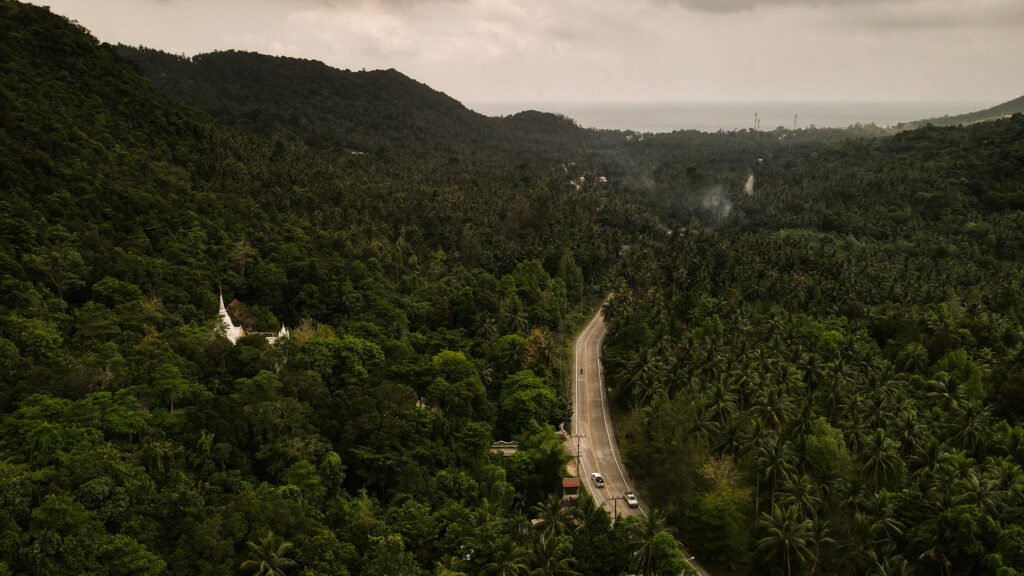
<point>820,374</point>
<point>830,381</point>
<point>429,301</point>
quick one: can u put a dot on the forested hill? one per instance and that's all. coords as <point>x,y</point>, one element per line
<point>427,308</point>
<point>379,111</point>
<point>1015,106</point>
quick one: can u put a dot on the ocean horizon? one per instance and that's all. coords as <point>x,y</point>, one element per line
<point>715,116</point>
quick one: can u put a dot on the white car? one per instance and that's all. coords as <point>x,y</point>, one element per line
<point>598,479</point>
<point>631,500</point>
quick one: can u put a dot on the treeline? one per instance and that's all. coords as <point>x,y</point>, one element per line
<point>829,382</point>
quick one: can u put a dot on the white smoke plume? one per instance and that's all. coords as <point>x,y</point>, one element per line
<point>716,201</point>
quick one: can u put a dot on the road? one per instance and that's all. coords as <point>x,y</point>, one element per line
<point>598,448</point>
<point>599,451</point>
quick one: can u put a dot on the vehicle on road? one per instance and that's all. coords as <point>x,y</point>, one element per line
<point>598,479</point>
<point>631,500</point>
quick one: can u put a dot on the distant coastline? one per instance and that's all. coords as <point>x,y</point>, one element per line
<point>715,116</point>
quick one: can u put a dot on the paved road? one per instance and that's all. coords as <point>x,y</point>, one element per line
<point>599,452</point>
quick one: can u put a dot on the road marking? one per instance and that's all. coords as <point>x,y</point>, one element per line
<point>582,340</point>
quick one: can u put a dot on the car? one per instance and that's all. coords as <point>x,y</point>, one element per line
<point>631,500</point>
<point>598,479</point>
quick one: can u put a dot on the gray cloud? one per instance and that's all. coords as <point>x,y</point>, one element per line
<point>911,14</point>
<point>726,6</point>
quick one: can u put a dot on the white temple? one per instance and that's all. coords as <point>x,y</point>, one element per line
<point>233,333</point>
<point>283,333</point>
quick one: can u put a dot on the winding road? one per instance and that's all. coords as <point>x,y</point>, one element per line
<point>599,450</point>
<point>593,429</point>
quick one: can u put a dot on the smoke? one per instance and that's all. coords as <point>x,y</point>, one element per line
<point>715,201</point>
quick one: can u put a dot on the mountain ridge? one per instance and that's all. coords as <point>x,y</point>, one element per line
<point>1008,108</point>
<point>340,111</point>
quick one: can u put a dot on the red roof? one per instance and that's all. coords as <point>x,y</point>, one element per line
<point>570,482</point>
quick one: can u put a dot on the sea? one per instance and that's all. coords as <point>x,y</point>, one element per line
<point>727,116</point>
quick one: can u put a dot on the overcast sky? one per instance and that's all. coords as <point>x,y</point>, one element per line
<point>613,50</point>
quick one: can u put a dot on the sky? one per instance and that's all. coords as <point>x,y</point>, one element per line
<point>612,50</point>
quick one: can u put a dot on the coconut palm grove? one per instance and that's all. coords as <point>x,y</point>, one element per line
<point>263,316</point>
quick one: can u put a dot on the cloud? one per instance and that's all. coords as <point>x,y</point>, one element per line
<point>881,13</point>
<point>726,6</point>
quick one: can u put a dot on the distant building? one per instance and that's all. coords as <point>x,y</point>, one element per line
<point>504,447</point>
<point>233,333</point>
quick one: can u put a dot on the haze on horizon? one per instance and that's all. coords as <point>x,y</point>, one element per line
<point>612,50</point>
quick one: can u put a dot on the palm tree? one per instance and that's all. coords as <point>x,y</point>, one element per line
<point>584,510</point>
<point>720,402</point>
<point>509,560</point>
<point>802,494</point>
<point>641,538</point>
<point>970,430</point>
<point>883,458</point>
<point>787,536</point>
<point>268,559</point>
<point>447,566</point>
<point>554,518</point>
<point>644,370</point>
<point>979,490</point>
<point>1009,479</point>
<point>773,458</point>
<point>546,560</point>
<point>772,406</point>
<point>821,540</point>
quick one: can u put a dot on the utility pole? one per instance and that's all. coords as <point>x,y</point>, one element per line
<point>615,508</point>
<point>579,472</point>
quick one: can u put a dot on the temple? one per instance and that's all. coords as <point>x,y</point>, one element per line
<point>233,333</point>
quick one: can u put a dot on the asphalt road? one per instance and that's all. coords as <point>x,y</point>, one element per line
<point>598,449</point>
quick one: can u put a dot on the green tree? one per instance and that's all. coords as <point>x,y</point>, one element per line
<point>787,537</point>
<point>268,556</point>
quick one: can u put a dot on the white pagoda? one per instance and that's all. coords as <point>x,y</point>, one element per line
<point>232,332</point>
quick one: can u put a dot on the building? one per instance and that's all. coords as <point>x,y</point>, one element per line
<point>233,333</point>
<point>570,489</point>
<point>504,447</point>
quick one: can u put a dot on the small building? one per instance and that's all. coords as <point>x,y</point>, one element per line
<point>570,488</point>
<point>504,447</point>
<point>233,333</point>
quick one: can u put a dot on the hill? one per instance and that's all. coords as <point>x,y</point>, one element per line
<point>1015,106</point>
<point>327,108</point>
<point>378,112</point>
<point>427,308</point>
